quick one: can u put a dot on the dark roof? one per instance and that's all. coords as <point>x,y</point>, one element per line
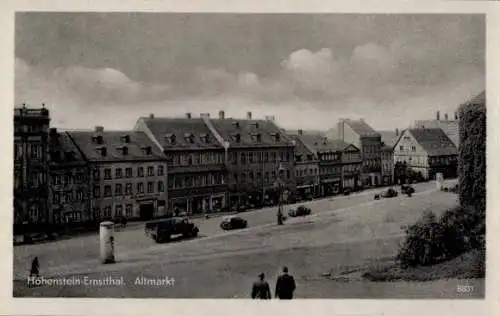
<point>322,144</point>
<point>389,138</point>
<point>182,129</point>
<point>301,148</point>
<point>113,141</point>
<point>63,151</point>
<point>434,141</point>
<point>248,131</point>
<point>361,128</point>
<point>449,127</point>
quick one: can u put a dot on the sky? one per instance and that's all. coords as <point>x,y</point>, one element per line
<point>308,70</point>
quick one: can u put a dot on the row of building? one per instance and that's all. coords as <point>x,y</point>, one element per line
<point>204,164</point>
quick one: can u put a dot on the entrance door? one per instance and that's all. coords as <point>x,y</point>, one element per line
<point>146,211</point>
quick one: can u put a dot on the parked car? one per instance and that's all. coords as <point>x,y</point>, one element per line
<point>407,189</point>
<point>162,230</point>
<point>233,222</point>
<point>389,193</point>
<point>299,211</point>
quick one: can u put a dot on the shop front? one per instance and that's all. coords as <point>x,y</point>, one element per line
<point>331,186</point>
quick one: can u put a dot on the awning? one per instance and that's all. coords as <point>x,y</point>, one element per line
<point>305,186</point>
<point>330,180</point>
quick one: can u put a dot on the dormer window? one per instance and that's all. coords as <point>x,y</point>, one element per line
<point>103,151</point>
<point>256,124</point>
<point>205,138</point>
<point>170,138</point>
<point>98,139</point>
<point>125,138</point>
<point>236,124</point>
<point>276,136</point>
<point>256,137</point>
<point>147,150</point>
<point>124,150</point>
<point>189,137</point>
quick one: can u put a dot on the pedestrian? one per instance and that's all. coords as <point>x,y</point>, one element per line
<point>285,286</point>
<point>261,289</point>
<point>35,268</point>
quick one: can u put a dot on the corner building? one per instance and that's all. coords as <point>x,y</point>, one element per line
<point>128,173</point>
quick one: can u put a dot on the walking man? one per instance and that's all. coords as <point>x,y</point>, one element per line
<point>260,289</point>
<point>35,268</point>
<point>285,286</point>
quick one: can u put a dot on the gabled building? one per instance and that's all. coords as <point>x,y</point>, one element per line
<point>427,151</point>
<point>127,172</point>
<point>364,137</point>
<point>260,158</point>
<point>31,178</point>
<point>196,162</point>
<point>306,167</point>
<point>70,190</point>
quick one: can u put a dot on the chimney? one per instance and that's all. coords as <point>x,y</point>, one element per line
<point>221,115</point>
<point>249,115</point>
<point>438,117</point>
<point>99,130</point>
<point>151,116</point>
<point>446,117</point>
<point>340,129</point>
<point>300,132</point>
<point>397,131</point>
<point>188,115</point>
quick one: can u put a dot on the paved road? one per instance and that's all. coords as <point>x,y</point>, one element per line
<point>225,264</point>
<point>83,249</point>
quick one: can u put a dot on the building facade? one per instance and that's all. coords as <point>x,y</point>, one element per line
<point>427,151</point>
<point>447,124</point>
<point>127,174</point>
<point>360,134</point>
<point>306,168</point>
<point>69,190</point>
<point>260,159</point>
<point>31,178</point>
<point>387,161</point>
<point>351,167</point>
<point>195,161</point>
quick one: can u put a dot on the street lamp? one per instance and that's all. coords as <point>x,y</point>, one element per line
<point>281,190</point>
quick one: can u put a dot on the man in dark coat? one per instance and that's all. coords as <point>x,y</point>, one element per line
<point>285,286</point>
<point>35,268</point>
<point>260,289</point>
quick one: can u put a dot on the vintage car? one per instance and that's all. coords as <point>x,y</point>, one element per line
<point>233,222</point>
<point>299,211</point>
<point>407,189</point>
<point>162,230</point>
<point>389,193</point>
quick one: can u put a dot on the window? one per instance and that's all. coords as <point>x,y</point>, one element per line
<point>57,180</point>
<point>118,189</point>
<point>33,213</point>
<point>128,172</point>
<point>107,211</point>
<point>160,170</point>
<point>273,175</point>
<point>56,197</point>
<point>97,212</point>
<point>413,148</point>
<point>288,174</point>
<point>128,189</point>
<point>243,158</point>
<point>97,174</point>
<point>161,185</point>
<point>250,175</point>
<point>35,151</point>
<point>266,157</point>
<point>188,181</point>
<point>140,172</point>
<point>107,190</point>
<point>97,191</point>
<point>107,174</point>
<point>273,157</point>
<point>250,157</point>
<point>151,188</point>
<point>118,173</point>
<point>140,187</point>
<point>401,147</point>
<point>118,210</point>
<point>79,195</point>
<point>266,177</point>
<point>128,210</point>
<point>78,177</point>
<point>67,179</point>
<point>151,171</point>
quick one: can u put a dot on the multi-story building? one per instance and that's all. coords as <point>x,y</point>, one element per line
<point>128,173</point>
<point>428,151</point>
<point>361,135</point>
<point>69,192</point>
<point>387,161</point>
<point>351,167</point>
<point>329,154</point>
<point>306,167</point>
<point>448,125</point>
<point>195,161</point>
<point>31,149</point>
<point>260,159</point>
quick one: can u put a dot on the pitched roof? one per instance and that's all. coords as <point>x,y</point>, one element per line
<point>449,127</point>
<point>248,130</point>
<point>113,141</point>
<point>181,133</point>
<point>301,148</point>
<point>434,141</point>
<point>361,128</point>
<point>389,138</point>
<point>63,151</point>
<point>322,144</point>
